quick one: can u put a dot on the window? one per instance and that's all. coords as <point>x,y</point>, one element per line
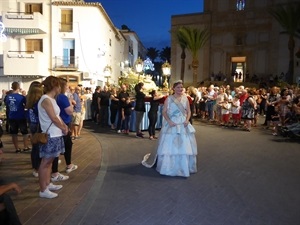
<point>30,8</point>
<point>66,20</point>
<point>240,5</point>
<point>34,45</point>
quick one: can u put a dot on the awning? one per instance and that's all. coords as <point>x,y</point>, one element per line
<point>26,76</point>
<point>22,31</point>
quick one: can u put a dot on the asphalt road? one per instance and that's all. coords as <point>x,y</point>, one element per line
<point>244,178</point>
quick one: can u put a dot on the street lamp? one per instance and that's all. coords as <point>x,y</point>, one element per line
<point>107,74</point>
<point>139,65</point>
<point>166,68</point>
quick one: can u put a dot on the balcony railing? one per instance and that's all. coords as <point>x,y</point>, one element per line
<point>65,27</point>
<point>30,63</point>
<point>66,63</point>
<point>21,23</point>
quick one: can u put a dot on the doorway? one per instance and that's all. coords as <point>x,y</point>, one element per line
<point>72,80</point>
<point>238,68</point>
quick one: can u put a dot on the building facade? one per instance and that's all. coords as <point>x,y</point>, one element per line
<point>70,39</point>
<point>245,39</point>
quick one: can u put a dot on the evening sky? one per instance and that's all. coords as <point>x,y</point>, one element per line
<point>150,19</point>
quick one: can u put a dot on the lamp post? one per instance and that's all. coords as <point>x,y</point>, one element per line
<point>107,74</point>
<point>139,65</point>
<point>166,68</point>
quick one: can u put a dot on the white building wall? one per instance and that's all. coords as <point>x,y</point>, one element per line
<point>95,43</point>
<point>24,69</point>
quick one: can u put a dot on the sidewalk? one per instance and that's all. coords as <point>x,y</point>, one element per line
<point>31,208</point>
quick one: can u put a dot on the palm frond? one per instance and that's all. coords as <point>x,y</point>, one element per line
<point>288,16</point>
<point>193,39</point>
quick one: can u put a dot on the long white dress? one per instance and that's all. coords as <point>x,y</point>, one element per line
<point>177,148</point>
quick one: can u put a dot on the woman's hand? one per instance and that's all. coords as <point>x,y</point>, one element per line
<point>186,123</point>
<point>171,123</point>
<point>65,130</point>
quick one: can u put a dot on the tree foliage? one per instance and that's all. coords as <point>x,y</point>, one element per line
<point>152,53</point>
<point>125,27</point>
<point>192,39</point>
<point>165,54</point>
<point>288,16</point>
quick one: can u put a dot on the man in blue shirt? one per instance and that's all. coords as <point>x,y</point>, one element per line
<point>17,119</point>
<point>76,113</point>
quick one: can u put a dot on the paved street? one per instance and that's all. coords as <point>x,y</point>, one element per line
<point>244,178</point>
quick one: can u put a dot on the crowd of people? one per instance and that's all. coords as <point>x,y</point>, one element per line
<point>120,105</point>
<point>241,106</point>
<point>50,107</point>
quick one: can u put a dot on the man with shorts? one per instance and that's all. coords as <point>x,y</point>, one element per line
<point>76,118</point>
<point>17,119</point>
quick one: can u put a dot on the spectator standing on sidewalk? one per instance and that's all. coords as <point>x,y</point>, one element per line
<point>248,110</point>
<point>210,101</point>
<point>35,92</point>
<point>76,113</point>
<point>94,104</point>
<point>51,123</point>
<point>122,96</point>
<point>126,115</point>
<point>139,108</point>
<point>83,113</point>
<point>17,119</point>
<point>103,104</point>
<point>114,102</point>
<point>66,112</point>
<point>152,114</point>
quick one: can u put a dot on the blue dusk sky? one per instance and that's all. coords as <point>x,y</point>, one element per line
<point>150,19</point>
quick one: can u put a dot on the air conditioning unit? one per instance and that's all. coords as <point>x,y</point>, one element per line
<point>87,76</point>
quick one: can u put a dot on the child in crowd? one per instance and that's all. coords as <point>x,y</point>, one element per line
<point>126,115</point>
<point>225,112</point>
<point>275,120</point>
<point>235,111</point>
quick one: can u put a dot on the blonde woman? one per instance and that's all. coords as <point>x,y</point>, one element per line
<point>35,92</point>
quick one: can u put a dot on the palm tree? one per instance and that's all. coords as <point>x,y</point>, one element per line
<point>165,54</point>
<point>193,40</point>
<point>182,42</point>
<point>288,16</point>
<point>152,53</point>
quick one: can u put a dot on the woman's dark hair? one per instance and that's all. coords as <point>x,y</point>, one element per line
<point>152,93</point>
<point>138,87</point>
<point>282,91</point>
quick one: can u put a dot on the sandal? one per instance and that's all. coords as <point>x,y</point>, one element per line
<point>18,150</point>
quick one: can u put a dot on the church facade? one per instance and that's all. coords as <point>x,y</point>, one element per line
<point>245,43</point>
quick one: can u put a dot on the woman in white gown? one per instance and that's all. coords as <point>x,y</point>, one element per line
<point>176,154</point>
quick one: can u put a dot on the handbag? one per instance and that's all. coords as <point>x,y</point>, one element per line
<point>39,137</point>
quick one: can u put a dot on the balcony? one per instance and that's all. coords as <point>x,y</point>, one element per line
<point>25,63</point>
<point>24,24</point>
<point>65,27</point>
<point>65,63</point>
